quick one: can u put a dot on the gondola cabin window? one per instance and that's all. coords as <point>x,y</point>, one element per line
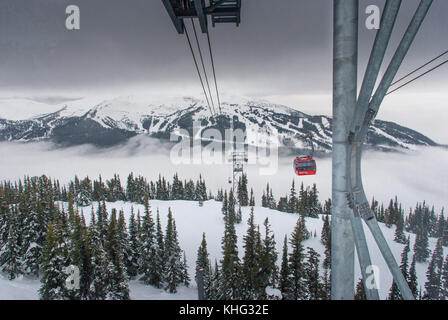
<point>305,166</point>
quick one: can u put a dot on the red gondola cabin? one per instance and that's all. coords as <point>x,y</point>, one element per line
<point>305,166</point>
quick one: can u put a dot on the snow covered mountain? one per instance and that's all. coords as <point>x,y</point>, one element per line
<point>114,121</point>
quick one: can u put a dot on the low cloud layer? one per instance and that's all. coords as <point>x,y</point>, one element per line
<point>413,176</point>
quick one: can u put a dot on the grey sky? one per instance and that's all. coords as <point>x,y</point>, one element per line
<point>282,49</point>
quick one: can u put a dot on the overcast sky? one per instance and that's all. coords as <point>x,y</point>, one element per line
<point>282,51</point>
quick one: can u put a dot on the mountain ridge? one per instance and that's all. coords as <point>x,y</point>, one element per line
<point>108,122</point>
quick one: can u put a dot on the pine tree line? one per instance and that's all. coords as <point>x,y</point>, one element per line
<point>305,202</point>
<point>423,221</point>
<point>251,277</point>
<point>85,191</point>
<point>38,238</point>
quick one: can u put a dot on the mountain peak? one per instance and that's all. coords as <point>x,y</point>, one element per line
<point>106,122</point>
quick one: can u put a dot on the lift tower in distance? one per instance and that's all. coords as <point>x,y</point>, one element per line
<point>238,159</point>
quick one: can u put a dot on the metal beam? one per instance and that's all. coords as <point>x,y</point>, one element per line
<point>366,113</point>
<point>345,52</point>
<point>191,13</point>
<point>400,54</point>
<point>178,23</point>
<point>215,5</point>
<point>382,38</point>
<point>201,15</point>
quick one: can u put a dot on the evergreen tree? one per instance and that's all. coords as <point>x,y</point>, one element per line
<point>119,285</point>
<point>360,291</point>
<point>177,189</point>
<point>243,197</point>
<point>399,231</point>
<point>238,215</point>
<point>314,205</point>
<point>252,199</point>
<point>231,206</point>
<point>327,207</point>
<point>326,289</point>
<point>210,277</point>
<point>124,241</point>
<point>173,258</point>
<point>119,282</point>
<point>325,229</point>
<point>268,258</point>
<point>213,287</point>
<point>264,201</point>
<point>327,252</point>
<point>148,246</point>
<point>225,205</point>
<point>229,280</point>
<point>100,285</point>
<point>293,202</point>
<point>134,247</point>
<point>311,269</point>
<point>34,233</point>
<point>77,253</point>
<point>421,246</point>
<point>10,254</point>
<point>202,261</point>
<point>412,281</point>
<point>444,279</point>
<point>102,220</point>
<point>159,263</point>
<point>189,192</point>
<point>285,281</point>
<point>296,258</point>
<point>302,200</point>
<point>130,188</point>
<point>394,293</point>
<point>53,275</point>
<point>250,267</point>
<point>434,273</point>
<point>185,277</point>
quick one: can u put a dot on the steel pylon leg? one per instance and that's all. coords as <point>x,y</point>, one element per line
<point>362,248</point>
<point>345,52</point>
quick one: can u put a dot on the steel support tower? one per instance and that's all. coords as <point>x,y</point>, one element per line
<point>352,117</point>
<point>345,53</point>
<point>238,159</point>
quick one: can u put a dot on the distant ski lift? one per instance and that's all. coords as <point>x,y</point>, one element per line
<point>305,166</point>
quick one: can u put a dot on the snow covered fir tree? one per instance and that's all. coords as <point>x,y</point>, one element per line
<point>122,237</point>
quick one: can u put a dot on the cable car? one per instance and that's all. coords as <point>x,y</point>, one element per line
<point>306,165</point>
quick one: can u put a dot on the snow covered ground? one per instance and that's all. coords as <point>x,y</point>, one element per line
<point>192,220</point>
<point>414,177</point>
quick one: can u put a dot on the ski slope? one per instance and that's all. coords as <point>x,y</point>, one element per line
<point>192,220</point>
